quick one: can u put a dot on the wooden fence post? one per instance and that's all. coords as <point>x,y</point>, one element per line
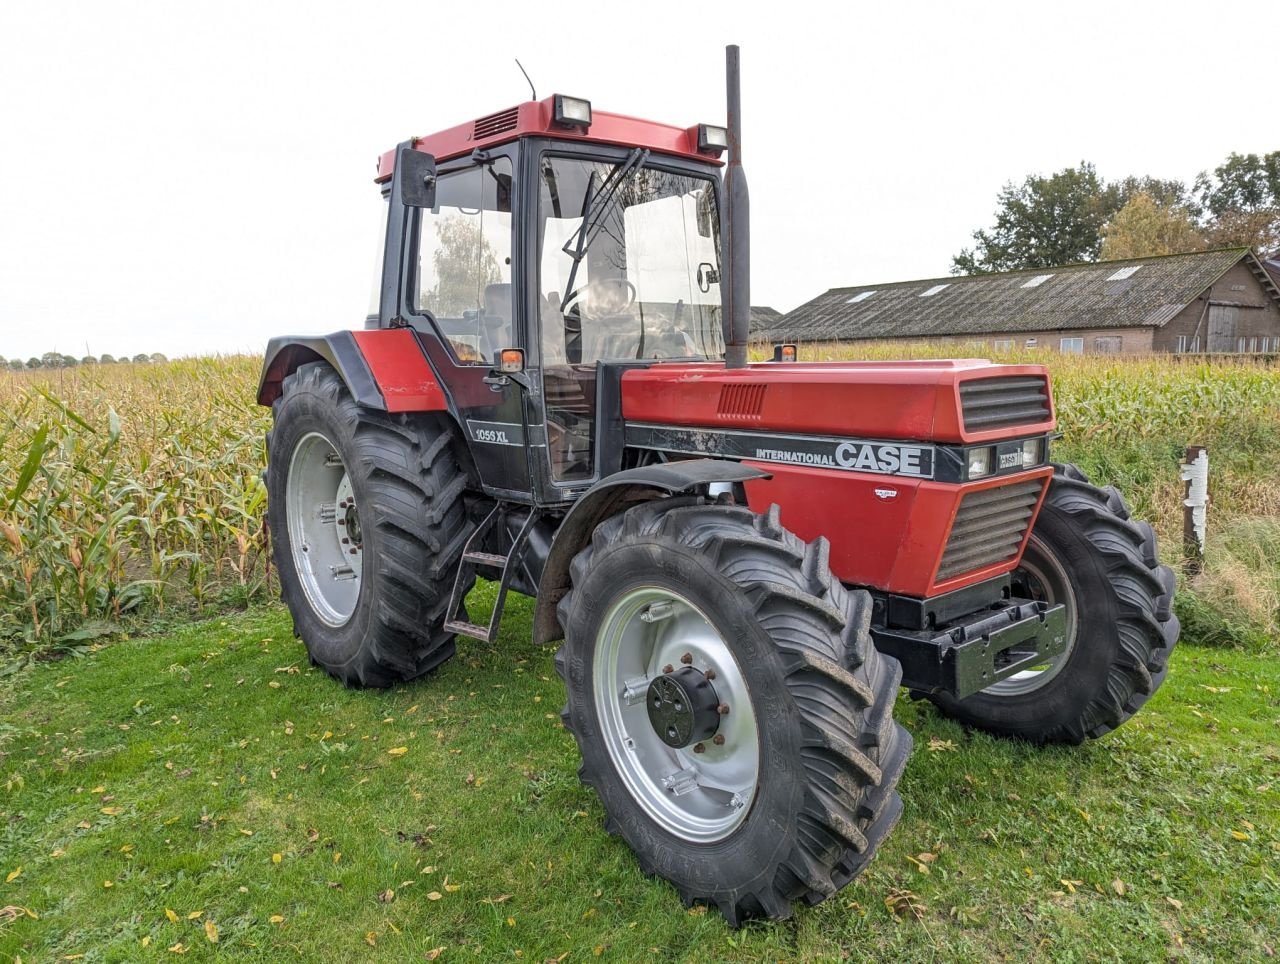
<point>1195,503</point>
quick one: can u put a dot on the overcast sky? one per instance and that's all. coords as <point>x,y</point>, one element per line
<point>196,177</point>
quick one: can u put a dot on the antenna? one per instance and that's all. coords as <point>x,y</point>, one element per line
<point>526,77</point>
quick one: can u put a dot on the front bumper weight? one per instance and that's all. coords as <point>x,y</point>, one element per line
<point>972,653</point>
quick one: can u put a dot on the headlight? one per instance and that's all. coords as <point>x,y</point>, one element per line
<point>980,462</point>
<point>1032,452</point>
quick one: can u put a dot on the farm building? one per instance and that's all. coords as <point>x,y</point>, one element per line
<point>1208,301</point>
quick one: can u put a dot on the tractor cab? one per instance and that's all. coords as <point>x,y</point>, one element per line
<point>555,247</point>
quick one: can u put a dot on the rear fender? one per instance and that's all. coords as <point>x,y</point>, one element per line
<point>384,369</point>
<point>608,497</point>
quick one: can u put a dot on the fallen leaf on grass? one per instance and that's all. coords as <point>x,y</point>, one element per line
<point>276,858</point>
<point>195,915</point>
<point>13,912</point>
<point>178,948</point>
<point>1174,903</point>
<point>500,899</point>
<point>173,918</point>
<point>386,896</point>
<point>1119,887</point>
<point>936,745</point>
<point>276,919</point>
<point>211,931</point>
<point>371,939</point>
<point>398,751</point>
<point>435,952</point>
<point>434,895</point>
<point>13,875</point>
<point>1239,835</point>
<point>903,903</point>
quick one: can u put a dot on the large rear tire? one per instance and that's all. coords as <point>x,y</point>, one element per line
<point>367,528</point>
<point>683,607</point>
<point>1087,554</point>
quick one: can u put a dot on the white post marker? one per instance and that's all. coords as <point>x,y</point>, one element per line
<point>1195,473</point>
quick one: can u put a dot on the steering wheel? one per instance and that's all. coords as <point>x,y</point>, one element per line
<point>615,297</point>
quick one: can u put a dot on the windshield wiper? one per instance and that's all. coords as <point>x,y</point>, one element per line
<point>595,206</point>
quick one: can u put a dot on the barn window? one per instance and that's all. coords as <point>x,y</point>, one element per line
<point>1031,343</point>
<point>930,292</point>
<point>1003,344</point>
<point>860,296</point>
<point>1037,281</point>
<point>1182,344</point>
<point>1072,346</point>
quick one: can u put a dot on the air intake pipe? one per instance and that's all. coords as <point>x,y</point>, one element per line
<point>736,230</point>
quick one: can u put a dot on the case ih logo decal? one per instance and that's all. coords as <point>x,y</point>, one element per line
<point>853,455</point>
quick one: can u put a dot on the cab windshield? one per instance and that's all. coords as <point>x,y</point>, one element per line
<point>629,262</point>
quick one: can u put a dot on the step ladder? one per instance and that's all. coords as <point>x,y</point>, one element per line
<point>472,558</point>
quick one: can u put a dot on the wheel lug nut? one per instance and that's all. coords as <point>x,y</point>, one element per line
<point>699,748</point>
<point>668,668</point>
<point>687,658</point>
<point>718,739</point>
<point>342,522</point>
<point>710,674</point>
<point>723,709</point>
<point>345,540</point>
<point>354,550</point>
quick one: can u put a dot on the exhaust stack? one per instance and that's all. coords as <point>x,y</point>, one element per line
<point>736,233</point>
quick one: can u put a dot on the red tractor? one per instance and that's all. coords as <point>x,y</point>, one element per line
<point>745,561</point>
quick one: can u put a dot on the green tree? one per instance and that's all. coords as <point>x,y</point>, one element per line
<point>88,360</point>
<point>1145,228</point>
<point>1043,222</point>
<point>464,263</point>
<point>141,359</point>
<point>16,364</point>
<point>33,363</point>
<point>155,356</point>
<point>1241,201</point>
<point>107,360</point>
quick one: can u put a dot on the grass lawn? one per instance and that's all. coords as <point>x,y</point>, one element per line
<point>165,791</point>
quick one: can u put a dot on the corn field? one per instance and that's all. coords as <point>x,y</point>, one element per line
<point>135,490</point>
<point>128,490</point>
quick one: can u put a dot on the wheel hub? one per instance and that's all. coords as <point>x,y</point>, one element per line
<point>683,707</point>
<point>351,522</point>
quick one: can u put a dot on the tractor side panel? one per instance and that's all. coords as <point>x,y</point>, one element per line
<point>401,370</point>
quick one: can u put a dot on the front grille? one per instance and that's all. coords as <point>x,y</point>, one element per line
<point>741,400</point>
<point>990,526</point>
<point>990,403</point>
<point>495,124</point>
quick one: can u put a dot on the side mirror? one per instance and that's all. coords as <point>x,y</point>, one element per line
<point>416,178</point>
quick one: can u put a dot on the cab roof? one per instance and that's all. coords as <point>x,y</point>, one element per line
<point>536,118</point>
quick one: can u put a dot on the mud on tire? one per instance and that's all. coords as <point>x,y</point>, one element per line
<point>1125,626</point>
<point>830,754</point>
<point>406,480</point>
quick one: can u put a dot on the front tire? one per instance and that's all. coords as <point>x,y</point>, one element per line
<point>367,529</point>
<point>1087,554</point>
<point>793,803</point>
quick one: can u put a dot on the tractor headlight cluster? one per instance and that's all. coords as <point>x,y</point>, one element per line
<point>981,462</point>
<point>1032,452</point>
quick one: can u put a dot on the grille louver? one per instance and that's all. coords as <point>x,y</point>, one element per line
<point>990,526</point>
<point>741,401</point>
<point>991,403</point>
<point>495,124</point>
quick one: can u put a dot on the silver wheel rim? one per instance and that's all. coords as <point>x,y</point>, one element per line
<point>324,532</point>
<point>696,796</point>
<point>1047,581</point>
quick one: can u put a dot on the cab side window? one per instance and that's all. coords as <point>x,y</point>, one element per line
<point>464,261</point>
